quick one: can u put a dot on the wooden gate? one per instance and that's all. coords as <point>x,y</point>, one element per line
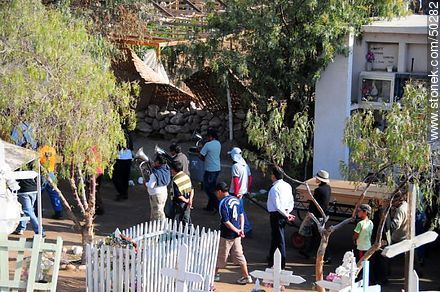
<point>127,269</point>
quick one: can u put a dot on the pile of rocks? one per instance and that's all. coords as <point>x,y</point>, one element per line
<point>180,122</point>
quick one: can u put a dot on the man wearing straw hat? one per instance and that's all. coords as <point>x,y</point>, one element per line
<point>308,228</point>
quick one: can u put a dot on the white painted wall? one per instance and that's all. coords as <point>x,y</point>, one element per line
<point>339,83</point>
<point>332,108</point>
<point>419,53</point>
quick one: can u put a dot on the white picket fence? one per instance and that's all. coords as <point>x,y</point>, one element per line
<point>124,269</point>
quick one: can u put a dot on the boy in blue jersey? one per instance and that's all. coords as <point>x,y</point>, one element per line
<point>231,232</point>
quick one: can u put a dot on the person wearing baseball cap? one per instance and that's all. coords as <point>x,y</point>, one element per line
<point>322,196</point>
<point>363,231</point>
<point>240,182</point>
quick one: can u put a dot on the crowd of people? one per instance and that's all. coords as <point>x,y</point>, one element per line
<point>171,194</point>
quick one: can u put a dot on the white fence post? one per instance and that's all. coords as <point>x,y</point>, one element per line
<point>112,268</point>
<point>180,274</point>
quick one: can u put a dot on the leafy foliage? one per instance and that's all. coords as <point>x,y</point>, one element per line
<point>274,140</point>
<point>280,47</point>
<point>56,76</point>
<point>403,142</point>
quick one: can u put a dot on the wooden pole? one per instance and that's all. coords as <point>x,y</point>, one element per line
<point>230,118</point>
<point>39,204</point>
<point>409,255</point>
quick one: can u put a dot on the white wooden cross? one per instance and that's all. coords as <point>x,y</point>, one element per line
<point>409,245</point>
<point>180,273</point>
<point>277,276</point>
<point>353,286</point>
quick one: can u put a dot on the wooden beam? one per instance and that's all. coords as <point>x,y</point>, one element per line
<point>222,3</point>
<point>193,6</point>
<point>165,11</point>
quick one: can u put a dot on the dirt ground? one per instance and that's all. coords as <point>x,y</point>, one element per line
<point>136,210</point>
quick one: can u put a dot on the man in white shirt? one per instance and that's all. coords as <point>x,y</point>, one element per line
<point>279,205</point>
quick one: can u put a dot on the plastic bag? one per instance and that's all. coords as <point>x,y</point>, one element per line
<point>11,210</point>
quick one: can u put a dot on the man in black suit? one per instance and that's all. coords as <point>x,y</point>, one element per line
<point>308,228</point>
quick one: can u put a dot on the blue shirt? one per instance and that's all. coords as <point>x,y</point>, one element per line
<point>230,210</point>
<point>211,152</point>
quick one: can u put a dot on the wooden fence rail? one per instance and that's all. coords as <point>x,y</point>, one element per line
<point>126,269</point>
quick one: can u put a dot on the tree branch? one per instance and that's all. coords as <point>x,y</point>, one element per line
<point>83,189</point>
<point>75,189</point>
<point>66,204</point>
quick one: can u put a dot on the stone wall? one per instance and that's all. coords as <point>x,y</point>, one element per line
<point>179,122</point>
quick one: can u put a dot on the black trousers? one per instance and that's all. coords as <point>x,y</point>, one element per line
<point>277,224</point>
<point>311,244</point>
<point>98,196</point>
<point>121,175</point>
<point>182,214</point>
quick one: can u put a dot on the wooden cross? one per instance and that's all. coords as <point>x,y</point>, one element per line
<point>410,244</point>
<point>361,286</point>
<point>277,276</point>
<point>180,273</point>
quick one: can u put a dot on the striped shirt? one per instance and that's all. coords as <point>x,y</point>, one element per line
<point>181,186</point>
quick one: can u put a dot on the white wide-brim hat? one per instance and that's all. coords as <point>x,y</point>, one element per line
<point>323,176</point>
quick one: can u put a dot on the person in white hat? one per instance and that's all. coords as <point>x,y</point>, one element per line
<point>240,182</point>
<point>308,228</point>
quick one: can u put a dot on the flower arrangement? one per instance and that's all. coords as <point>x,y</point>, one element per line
<point>369,56</point>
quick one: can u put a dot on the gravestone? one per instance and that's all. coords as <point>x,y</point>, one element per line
<point>277,276</point>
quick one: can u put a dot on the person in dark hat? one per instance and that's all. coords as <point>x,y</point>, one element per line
<point>210,155</point>
<point>322,196</point>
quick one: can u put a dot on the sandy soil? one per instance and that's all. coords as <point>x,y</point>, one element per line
<point>136,210</point>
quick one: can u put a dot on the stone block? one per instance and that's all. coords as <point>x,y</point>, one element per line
<point>173,129</point>
<point>144,127</point>
<point>155,125</point>
<point>152,110</point>
<point>162,115</point>
<point>215,122</point>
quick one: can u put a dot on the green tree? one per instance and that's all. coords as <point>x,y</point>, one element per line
<point>402,145</point>
<point>272,140</point>
<point>278,48</point>
<point>56,76</point>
